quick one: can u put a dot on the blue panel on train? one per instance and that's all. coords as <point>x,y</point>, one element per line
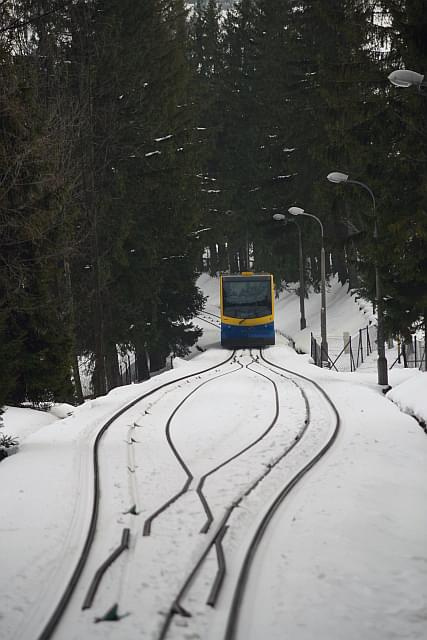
<point>259,335</point>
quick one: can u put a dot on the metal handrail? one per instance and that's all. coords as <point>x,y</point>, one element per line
<point>362,350</point>
<point>415,348</point>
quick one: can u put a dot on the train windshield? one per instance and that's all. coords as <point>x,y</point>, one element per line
<point>246,298</point>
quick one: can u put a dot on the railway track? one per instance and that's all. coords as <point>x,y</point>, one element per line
<point>178,607</point>
<point>210,318</point>
<point>216,316</point>
<point>216,483</point>
<point>64,598</point>
<point>232,627</point>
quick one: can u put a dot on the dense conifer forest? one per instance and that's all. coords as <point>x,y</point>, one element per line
<point>144,142</point>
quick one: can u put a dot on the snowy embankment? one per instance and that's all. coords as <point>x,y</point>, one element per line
<point>356,528</point>
<point>410,395</point>
<point>345,314</point>
<point>348,551</point>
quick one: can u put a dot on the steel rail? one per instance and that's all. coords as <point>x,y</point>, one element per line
<point>93,587</point>
<point>208,321</point>
<point>233,617</point>
<point>177,608</point>
<point>214,315</point>
<point>199,488</point>
<point>220,575</point>
<point>147,524</point>
<point>59,610</point>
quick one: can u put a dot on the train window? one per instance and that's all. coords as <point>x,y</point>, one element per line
<point>246,298</point>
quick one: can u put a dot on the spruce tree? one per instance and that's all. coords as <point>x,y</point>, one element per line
<point>143,129</point>
<point>36,332</point>
<point>405,171</point>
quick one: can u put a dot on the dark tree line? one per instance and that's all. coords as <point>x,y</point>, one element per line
<point>127,126</point>
<point>99,160</point>
<point>293,91</point>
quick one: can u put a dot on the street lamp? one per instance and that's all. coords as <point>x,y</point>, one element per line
<point>297,211</point>
<point>281,216</point>
<point>405,78</point>
<point>342,178</point>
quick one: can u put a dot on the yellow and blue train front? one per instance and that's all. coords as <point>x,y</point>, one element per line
<point>247,310</point>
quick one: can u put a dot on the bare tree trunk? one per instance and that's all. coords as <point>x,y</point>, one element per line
<point>339,265</point>
<point>223,258</point>
<point>70,304</point>
<point>156,352</point>
<point>233,259</point>
<point>243,259</point>
<point>157,359</point>
<point>142,369</point>
<point>77,381</point>
<point>100,380</point>
<point>112,366</point>
<point>214,263</point>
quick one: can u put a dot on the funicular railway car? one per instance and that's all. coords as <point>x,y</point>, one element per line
<point>247,310</point>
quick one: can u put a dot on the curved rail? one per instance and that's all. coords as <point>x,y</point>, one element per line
<point>242,580</point>
<point>214,315</point>
<point>190,477</point>
<point>216,540</point>
<point>202,481</point>
<point>216,324</point>
<point>68,591</point>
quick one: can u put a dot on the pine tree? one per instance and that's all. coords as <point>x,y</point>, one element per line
<point>206,37</point>
<point>35,189</point>
<point>142,123</point>
<point>165,145</point>
<point>405,172</point>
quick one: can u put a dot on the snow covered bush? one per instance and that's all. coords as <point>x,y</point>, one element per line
<point>8,445</point>
<point>7,441</point>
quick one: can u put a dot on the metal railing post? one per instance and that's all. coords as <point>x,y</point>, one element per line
<point>352,365</point>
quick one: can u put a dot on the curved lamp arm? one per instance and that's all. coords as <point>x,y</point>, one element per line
<point>365,186</point>
<point>338,178</point>
<point>297,211</point>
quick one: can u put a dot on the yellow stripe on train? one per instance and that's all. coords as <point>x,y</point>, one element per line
<point>247,322</point>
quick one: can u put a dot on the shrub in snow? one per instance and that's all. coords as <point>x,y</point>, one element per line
<point>8,445</point>
<point>8,441</point>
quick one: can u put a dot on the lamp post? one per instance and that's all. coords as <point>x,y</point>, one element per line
<point>405,78</point>
<point>342,178</point>
<point>281,216</point>
<point>297,211</point>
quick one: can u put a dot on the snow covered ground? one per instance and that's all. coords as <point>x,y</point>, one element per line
<point>345,314</point>
<point>346,556</point>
